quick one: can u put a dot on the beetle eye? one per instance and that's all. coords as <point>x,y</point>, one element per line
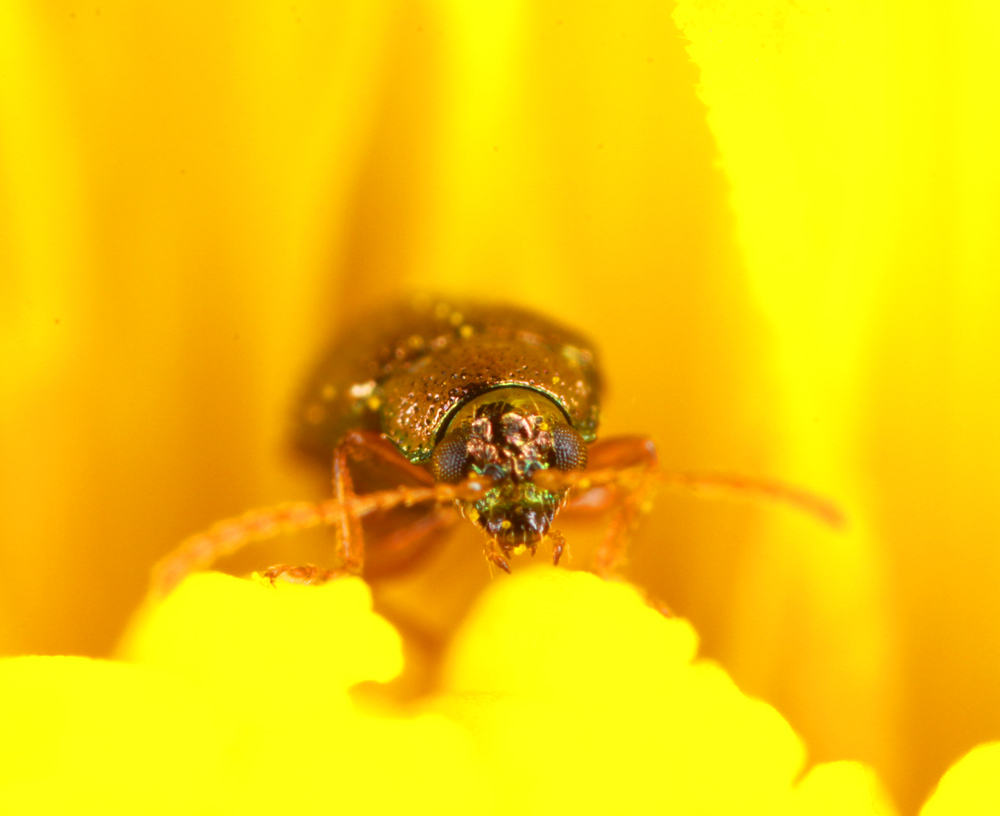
<point>451,456</point>
<point>569,451</point>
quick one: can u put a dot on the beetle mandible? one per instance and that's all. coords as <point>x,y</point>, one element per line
<point>439,406</point>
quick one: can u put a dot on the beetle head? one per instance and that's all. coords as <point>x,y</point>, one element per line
<point>508,435</point>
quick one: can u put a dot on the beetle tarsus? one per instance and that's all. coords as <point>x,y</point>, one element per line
<point>494,556</point>
<point>558,546</point>
<point>305,574</point>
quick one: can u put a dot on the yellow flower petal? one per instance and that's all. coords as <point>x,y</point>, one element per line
<point>971,787</point>
<point>564,694</point>
<point>590,701</point>
<point>239,639</point>
<point>194,195</point>
<point>549,632</point>
<point>860,143</point>
<point>837,788</point>
<point>91,736</point>
<point>278,662</point>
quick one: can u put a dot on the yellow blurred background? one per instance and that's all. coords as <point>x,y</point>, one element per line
<point>786,250</point>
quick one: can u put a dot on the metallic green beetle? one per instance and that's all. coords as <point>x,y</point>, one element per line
<point>429,406</point>
<point>458,389</point>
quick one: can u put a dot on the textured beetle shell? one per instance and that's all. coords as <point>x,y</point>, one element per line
<point>407,369</point>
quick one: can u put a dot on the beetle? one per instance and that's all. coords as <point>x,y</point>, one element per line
<point>431,406</point>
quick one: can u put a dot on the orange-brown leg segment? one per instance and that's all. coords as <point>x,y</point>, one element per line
<point>495,555</point>
<point>558,542</point>
<point>399,549</point>
<point>380,454</point>
<point>634,457</point>
<point>306,574</point>
<point>626,457</point>
<point>620,476</point>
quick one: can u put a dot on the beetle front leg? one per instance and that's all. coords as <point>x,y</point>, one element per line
<point>633,459</point>
<point>355,446</point>
<point>495,555</point>
<point>305,575</point>
<point>610,555</point>
<point>350,537</point>
<point>370,458</point>
<point>558,545</point>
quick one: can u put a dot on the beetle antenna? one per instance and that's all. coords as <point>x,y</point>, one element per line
<point>202,550</point>
<point>631,478</point>
<point>819,507</point>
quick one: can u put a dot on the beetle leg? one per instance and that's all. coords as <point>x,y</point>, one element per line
<point>408,540</point>
<point>610,554</point>
<point>633,458</point>
<point>558,546</point>
<point>356,446</point>
<point>622,452</point>
<point>365,460</point>
<point>307,574</point>
<point>622,456</point>
<point>363,444</point>
<point>494,555</point>
<point>350,537</point>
